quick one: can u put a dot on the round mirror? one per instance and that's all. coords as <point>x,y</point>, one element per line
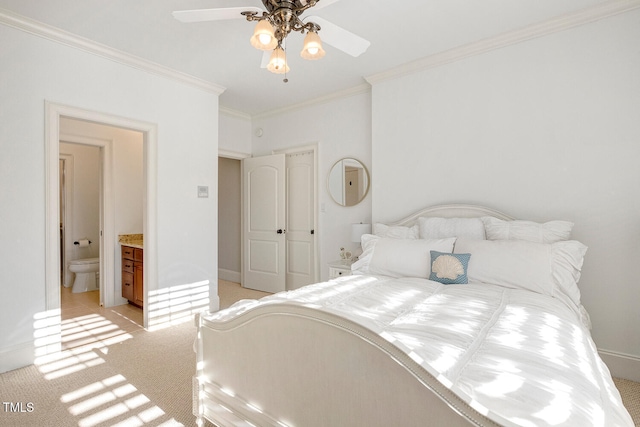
<point>348,182</point>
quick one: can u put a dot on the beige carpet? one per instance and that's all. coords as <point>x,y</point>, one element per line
<point>630,392</point>
<point>142,378</point>
<point>145,380</point>
<point>231,292</point>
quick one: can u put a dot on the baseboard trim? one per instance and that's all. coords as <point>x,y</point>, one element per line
<point>17,356</point>
<point>621,365</point>
<point>229,275</point>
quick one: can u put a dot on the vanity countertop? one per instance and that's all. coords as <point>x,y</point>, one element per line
<point>133,240</point>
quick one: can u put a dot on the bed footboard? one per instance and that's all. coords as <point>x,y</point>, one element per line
<point>279,365</point>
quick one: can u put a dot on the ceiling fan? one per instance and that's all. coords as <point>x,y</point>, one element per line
<point>276,23</point>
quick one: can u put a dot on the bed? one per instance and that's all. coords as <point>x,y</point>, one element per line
<point>456,315</point>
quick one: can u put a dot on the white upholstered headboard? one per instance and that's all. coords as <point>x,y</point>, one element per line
<point>452,211</point>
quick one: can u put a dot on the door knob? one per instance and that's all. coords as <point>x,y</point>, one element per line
<point>280,231</point>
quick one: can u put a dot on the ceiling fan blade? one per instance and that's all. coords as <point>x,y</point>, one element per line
<point>321,3</point>
<point>201,15</point>
<point>340,38</point>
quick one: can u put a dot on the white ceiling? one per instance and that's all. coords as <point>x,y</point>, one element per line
<point>219,52</point>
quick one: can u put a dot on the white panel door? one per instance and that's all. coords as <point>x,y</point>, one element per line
<point>264,223</point>
<point>300,235</point>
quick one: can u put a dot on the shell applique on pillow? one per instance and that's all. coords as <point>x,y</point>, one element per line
<point>449,268</point>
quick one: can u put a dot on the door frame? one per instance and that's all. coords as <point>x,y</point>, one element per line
<point>300,149</point>
<point>236,155</point>
<point>68,208</point>
<point>53,113</point>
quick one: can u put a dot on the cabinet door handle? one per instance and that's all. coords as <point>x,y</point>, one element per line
<point>313,231</point>
<point>281,231</point>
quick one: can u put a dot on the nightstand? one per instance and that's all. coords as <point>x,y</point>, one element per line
<point>339,268</point>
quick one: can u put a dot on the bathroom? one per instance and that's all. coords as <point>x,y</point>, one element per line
<point>101,176</point>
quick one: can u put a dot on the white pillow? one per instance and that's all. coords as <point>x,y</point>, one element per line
<point>399,257</point>
<point>550,269</point>
<point>396,231</point>
<point>549,232</point>
<point>441,228</point>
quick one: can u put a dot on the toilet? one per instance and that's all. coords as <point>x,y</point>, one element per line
<point>85,274</point>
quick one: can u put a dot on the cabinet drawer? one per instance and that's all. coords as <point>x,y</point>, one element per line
<point>127,252</point>
<point>127,286</point>
<point>127,265</point>
<point>337,272</point>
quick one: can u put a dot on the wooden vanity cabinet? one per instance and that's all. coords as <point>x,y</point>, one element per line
<point>132,275</point>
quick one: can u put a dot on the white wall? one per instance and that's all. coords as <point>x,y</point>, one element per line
<point>545,129</point>
<point>35,70</point>
<point>235,133</point>
<point>341,128</point>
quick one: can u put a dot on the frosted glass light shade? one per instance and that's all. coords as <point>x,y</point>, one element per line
<point>278,62</point>
<point>263,36</point>
<point>312,46</point>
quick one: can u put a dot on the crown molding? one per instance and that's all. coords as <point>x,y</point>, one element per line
<point>235,155</point>
<point>355,90</point>
<point>561,23</point>
<point>230,112</point>
<point>57,35</point>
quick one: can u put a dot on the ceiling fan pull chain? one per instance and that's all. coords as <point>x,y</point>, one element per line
<point>285,80</point>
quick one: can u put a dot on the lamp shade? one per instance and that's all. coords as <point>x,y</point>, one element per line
<point>357,230</point>
<point>278,62</point>
<point>312,46</point>
<point>263,36</point>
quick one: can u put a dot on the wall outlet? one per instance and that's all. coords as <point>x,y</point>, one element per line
<point>203,191</point>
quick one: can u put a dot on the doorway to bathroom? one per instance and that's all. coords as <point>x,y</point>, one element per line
<point>102,177</point>
<point>111,295</point>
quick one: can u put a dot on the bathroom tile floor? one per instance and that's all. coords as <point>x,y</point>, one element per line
<point>86,323</point>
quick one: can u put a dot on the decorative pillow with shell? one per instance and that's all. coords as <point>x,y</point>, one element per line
<point>449,268</point>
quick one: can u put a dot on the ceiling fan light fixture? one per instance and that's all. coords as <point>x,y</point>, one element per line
<point>278,62</point>
<point>264,36</point>
<point>312,46</point>
<point>276,21</point>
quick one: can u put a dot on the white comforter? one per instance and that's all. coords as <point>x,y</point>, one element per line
<point>518,357</point>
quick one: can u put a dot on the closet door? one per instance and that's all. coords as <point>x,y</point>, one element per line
<point>264,249</point>
<point>301,233</point>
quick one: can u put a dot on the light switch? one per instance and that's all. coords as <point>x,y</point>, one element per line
<point>203,191</point>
